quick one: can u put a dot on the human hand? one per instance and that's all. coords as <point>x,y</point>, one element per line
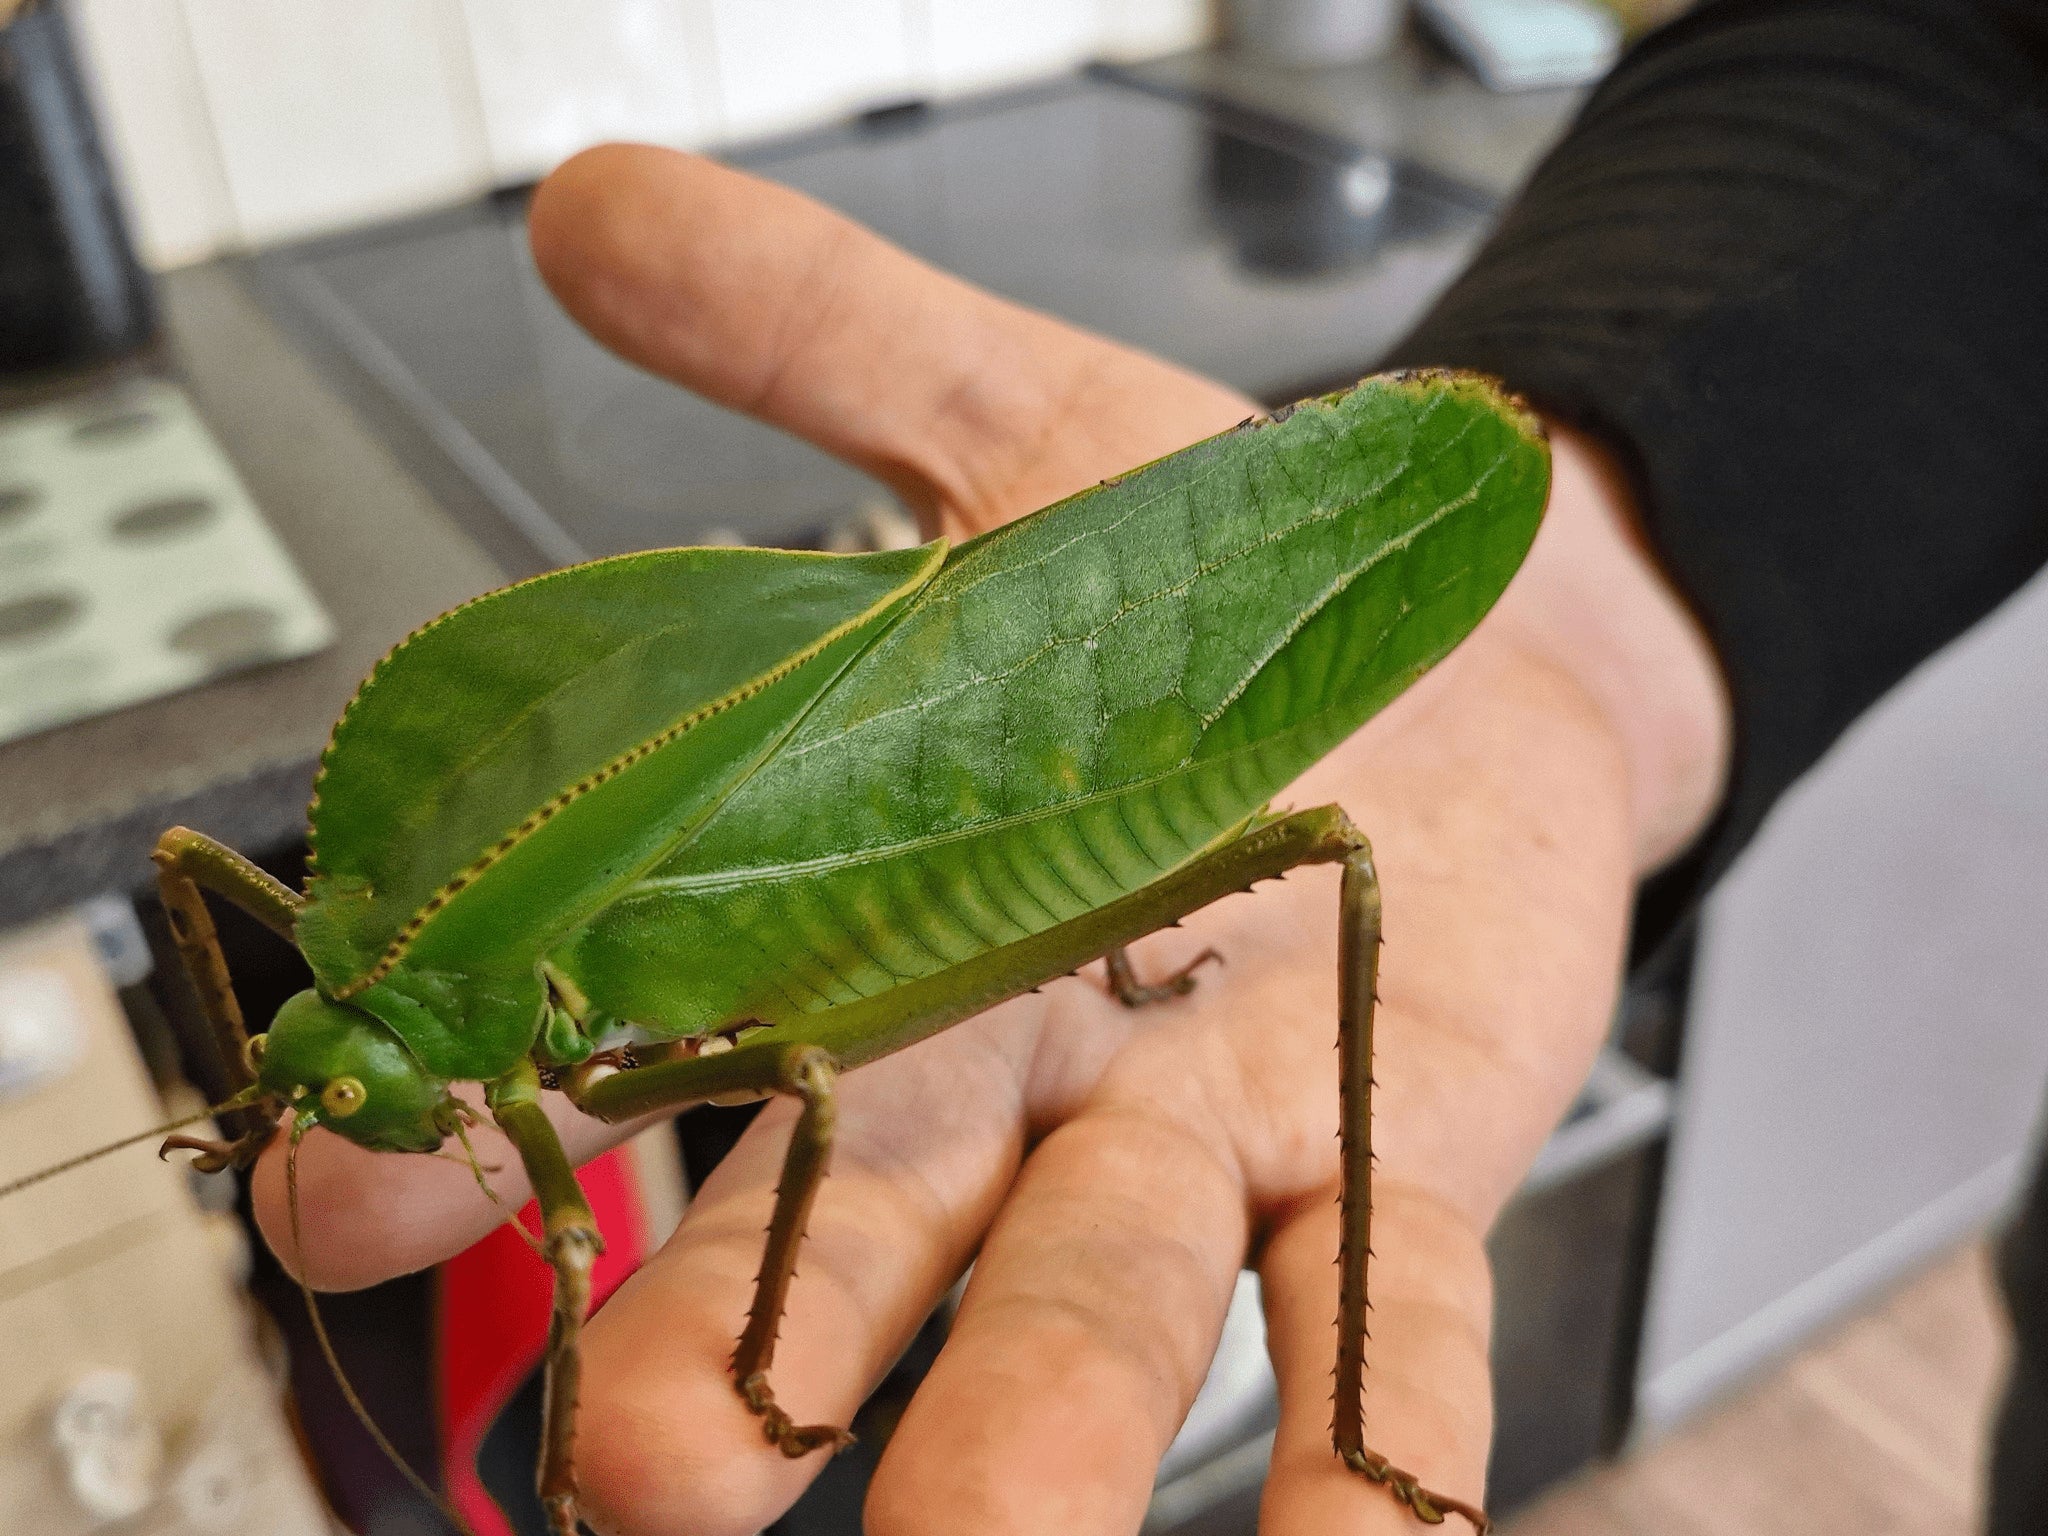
<point>1109,1172</point>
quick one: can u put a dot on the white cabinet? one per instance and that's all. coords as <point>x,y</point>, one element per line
<point>237,123</point>
<point>1867,1046</point>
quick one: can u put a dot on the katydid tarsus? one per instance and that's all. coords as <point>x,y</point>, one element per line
<point>769,815</point>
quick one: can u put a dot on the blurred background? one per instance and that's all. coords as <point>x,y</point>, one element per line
<point>278,382</point>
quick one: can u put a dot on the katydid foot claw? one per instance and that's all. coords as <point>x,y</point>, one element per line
<point>217,1156</point>
<point>1428,1507</point>
<point>561,1515</point>
<point>1133,993</point>
<point>784,1433</point>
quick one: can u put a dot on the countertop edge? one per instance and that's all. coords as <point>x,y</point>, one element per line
<point>258,812</point>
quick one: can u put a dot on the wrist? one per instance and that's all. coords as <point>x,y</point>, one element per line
<point>1592,600</point>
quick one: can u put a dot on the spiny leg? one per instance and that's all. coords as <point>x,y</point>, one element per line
<point>753,1066</point>
<point>1133,993</point>
<point>1358,961</point>
<point>854,1033</point>
<point>187,862</point>
<point>808,1073</point>
<point>571,1243</point>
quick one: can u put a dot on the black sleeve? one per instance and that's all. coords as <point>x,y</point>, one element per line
<point>1792,263</point>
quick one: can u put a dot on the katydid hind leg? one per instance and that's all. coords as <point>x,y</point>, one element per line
<point>571,1242</point>
<point>189,863</point>
<point>1125,986</point>
<point>852,1034</point>
<point>1358,950</point>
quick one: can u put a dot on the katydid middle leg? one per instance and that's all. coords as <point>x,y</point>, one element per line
<point>187,863</point>
<point>1133,993</point>
<point>808,1073</point>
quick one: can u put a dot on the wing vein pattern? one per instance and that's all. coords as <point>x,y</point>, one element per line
<point>1081,701</point>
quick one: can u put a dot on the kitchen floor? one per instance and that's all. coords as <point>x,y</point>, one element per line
<point>1878,1428</point>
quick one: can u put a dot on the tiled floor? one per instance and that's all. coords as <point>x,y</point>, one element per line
<point>1877,1428</point>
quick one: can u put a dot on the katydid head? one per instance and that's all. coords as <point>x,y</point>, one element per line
<point>340,1067</point>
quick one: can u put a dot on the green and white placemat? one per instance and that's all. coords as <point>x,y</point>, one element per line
<point>133,562</point>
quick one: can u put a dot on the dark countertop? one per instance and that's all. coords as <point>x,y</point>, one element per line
<point>80,806</point>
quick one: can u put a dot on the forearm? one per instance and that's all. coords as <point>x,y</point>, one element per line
<point>1786,268</point>
<point>1591,603</point>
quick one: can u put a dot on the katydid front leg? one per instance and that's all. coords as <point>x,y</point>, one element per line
<point>571,1242</point>
<point>188,862</point>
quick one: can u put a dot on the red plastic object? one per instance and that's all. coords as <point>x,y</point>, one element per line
<point>492,1324</point>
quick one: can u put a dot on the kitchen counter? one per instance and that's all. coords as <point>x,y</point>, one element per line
<point>81,805</point>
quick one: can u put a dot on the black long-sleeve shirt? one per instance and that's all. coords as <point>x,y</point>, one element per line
<point>1792,263</point>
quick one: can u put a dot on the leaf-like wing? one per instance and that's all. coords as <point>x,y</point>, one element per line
<point>1085,699</point>
<point>580,688</point>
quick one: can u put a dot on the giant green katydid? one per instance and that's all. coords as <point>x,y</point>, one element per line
<point>771,815</point>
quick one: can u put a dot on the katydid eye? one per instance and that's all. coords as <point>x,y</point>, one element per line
<point>252,1052</point>
<point>343,1097</point>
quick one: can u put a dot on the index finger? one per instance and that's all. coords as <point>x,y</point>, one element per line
<point>370,1215</point>
<point>766,301</point>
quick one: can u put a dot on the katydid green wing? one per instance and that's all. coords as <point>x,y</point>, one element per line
<point>515,703</point>
<point>1082,700</point>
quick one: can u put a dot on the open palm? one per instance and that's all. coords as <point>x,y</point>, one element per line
<point>1108,1172</point>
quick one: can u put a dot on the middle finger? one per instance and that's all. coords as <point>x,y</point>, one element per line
<point>927,1142</point>
<point>1083,1337</point>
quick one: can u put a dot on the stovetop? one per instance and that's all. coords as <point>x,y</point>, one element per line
<point>1273,257</point>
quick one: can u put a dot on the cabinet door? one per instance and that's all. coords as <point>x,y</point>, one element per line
<point>1867,1043</point>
